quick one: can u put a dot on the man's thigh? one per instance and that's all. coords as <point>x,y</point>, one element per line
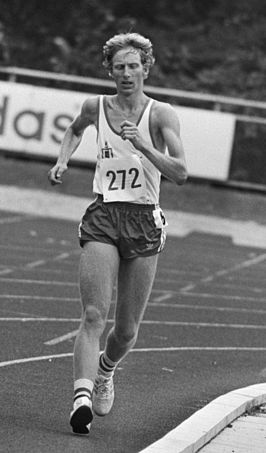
<point>135,282</point>
<point>99,263</point>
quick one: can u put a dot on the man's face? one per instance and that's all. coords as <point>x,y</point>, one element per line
<point>128,71</point>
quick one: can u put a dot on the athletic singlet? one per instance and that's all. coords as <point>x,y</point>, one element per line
<point>122,172</point>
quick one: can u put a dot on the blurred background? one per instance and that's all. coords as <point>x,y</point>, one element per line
<point>210,55</point>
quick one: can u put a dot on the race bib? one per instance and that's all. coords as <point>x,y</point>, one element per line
<point>123,179</point>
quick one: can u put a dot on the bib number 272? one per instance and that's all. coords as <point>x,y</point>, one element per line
<point>128,178</point>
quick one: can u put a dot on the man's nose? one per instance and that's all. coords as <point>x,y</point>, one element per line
<point>126,71</point>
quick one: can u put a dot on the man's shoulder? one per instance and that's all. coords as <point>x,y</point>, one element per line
<point>91,104</point>
<point>89,110</point>
<point>162,110</point>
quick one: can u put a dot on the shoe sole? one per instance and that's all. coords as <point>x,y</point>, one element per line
<point>80,419</point>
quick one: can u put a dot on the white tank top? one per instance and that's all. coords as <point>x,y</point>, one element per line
<point>122,172</point>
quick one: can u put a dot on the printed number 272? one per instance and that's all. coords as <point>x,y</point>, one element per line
<point>124,174</point>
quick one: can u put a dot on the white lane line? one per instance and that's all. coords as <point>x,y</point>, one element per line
<point>189,287</point>
<point>27,248</point>
<point>151,304</point>
<point>166,281</point>
<point>243,265</point>
<point>157,305</point>
<point>165,296</point>
<point>38,263</point>
<point>136,350</point>
<point>155,302</point>
<point>178,272</point>
<point>199,348</point>
<point>32,265</point>
<point>40,319</point>
<point>198,295</point>
<point>17,313</point>
<point>62,338</point>
<point>146,322</point>
<point>34,359</point>
<point>209,308</point>
<point>72,334</point>
<point>183,293</point>
<point>205,324</point>
<point>6,271</point>
<point>62,256</point>
<point>222,272</point>
<point>47,298</point>
<point>220,296</point>
<point>37,282</point>
<point>232,297</point>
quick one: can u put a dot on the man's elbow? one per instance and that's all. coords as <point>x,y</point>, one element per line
<point>182,177</point>
<point>75,132</point>
<point>181,180</point>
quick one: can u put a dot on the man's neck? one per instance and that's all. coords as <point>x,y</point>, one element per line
<point>131,102</point>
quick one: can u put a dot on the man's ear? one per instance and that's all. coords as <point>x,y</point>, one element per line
<point>146,72</point>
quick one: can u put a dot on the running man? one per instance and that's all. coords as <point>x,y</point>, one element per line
<point>123,230</point>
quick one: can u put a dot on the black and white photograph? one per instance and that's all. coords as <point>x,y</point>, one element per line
<point>133,226</point>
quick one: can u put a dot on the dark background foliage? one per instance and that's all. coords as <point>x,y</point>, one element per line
<point>213,46</point>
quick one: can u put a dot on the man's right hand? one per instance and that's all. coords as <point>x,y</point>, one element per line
<point>55,174</point>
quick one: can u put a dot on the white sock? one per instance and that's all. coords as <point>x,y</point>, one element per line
<point>106,365</point>
<point>83,388</point>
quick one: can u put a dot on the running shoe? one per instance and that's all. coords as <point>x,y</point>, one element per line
<point>103,395</point>
<point>81,416</point>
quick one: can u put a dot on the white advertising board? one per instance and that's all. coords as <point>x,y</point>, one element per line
<point>33,120</point>
<point>208,138</point>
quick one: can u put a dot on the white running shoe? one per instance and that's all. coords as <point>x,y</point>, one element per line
<point>103,395</point>
<point>81,416</point>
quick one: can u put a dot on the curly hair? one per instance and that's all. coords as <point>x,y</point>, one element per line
<point>122,40</point>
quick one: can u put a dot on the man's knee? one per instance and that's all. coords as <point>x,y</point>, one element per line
<point>93,318</point>
<point>126,337</point>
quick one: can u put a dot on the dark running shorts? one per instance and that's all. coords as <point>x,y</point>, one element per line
<point>135,229</point>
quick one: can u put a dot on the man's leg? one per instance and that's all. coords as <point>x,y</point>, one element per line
<point>98,271</point>
<point>135,282</point>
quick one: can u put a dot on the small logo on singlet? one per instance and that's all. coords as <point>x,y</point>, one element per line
<point>107,152</point>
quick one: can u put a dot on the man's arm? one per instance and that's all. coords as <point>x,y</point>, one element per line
<point>165,120</point>
<point>72,139</point>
